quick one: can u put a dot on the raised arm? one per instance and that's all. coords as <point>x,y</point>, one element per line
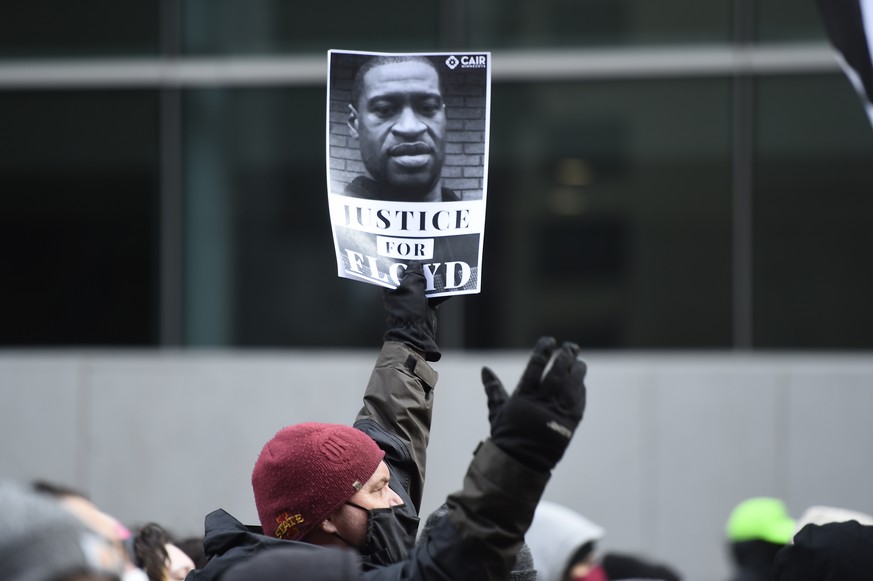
<point>398,401</point>
<point>484,527</point>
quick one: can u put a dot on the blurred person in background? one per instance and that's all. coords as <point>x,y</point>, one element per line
<point>79,504</point>
<point>819,515</point>
<point>562,544</point>
<point>154,551</point>
<point>42,541</point>
<point>836,551</point>
<point>756,530</point>
<point>107,526</point>
<point>193,547</point>
<point>564,548</point>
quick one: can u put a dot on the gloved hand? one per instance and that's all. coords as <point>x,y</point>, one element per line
<point>412,318</point>
<point>535,424</point>
<point>495,392</point>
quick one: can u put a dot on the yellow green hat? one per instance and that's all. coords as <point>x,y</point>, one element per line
<point>761,518</point>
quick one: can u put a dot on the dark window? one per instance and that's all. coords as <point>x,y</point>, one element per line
<point>787,21</point>
<point>568,23</point>
<point>812,207</point>
<point>84,28</point>
<point>79,218</point>
<point>261,268</point>
<point>610,205</point>
<point>276,26</point>
<point>608,216</point>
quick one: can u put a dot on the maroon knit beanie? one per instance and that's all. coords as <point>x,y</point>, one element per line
<point>306,472</point>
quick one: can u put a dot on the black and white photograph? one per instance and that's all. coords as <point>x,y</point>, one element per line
<point>407,153</point>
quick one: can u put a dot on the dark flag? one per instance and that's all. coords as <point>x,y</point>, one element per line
<point>849,25</point>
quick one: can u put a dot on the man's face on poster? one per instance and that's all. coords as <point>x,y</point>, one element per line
<point>400,122</point>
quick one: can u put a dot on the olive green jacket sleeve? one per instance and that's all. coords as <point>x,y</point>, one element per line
<point>495,507</point>
<point>479,537</point>
<point>398,405</point>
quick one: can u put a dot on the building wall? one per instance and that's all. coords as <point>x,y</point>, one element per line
<point>669,443</point>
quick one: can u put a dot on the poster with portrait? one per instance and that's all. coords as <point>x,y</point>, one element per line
<point>407,165</point>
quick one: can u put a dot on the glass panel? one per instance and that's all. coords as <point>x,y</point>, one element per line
<point>813,202</point>
<point>567,23</point>
<point>276,26</point>
<point>78,218</point>
<point>788,20</point>
<point>63,29</point>
<point>608,220</point>
<point>260,262</point>
<point>609,216</point>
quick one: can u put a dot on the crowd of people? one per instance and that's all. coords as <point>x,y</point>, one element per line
<point>338,502</point>
<point>766,543</point>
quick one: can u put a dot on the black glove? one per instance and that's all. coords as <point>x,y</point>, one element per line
<point>495,392</point>
<point>535,424</point>
<point>412,317</point>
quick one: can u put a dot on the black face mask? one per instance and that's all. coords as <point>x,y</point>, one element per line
<point>390,535</point>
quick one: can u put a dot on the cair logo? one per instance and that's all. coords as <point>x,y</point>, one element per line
<point>475,61</point>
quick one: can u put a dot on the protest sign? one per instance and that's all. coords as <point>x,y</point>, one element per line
<point>407,160</point>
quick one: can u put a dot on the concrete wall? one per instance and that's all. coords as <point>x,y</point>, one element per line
<point>670,443</point>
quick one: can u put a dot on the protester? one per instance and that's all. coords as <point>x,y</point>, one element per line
<point>41,541</point>
<point>332,485</point>
<point>819,515</point>
<point>299,477</point>
<point>487,519</point>
<point>193,547</point>
<point>839,551</point>
<point>147,547</point>
<point>80,505</point>
<point>154,551</point>
<point>756,530</point>
<point>564,545</point>
<point>105,525</point>
<point>561,541</point>
<point>179,564</point>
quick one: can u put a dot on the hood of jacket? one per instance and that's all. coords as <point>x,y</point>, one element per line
<point>555,535</point>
